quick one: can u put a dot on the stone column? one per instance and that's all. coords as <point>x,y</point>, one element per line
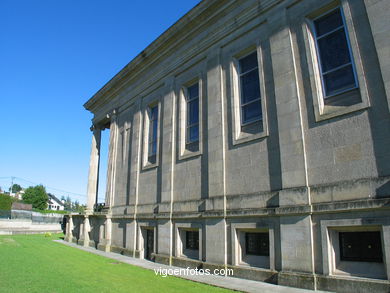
<point>69,229</point>
<point>108,233</point>
<point>87,228</point>
<point>105,243</point>
<point>93,176</point>
<point>111,168</point>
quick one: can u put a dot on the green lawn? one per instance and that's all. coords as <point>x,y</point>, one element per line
<point>35,263</point>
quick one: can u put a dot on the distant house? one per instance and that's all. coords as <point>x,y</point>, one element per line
<point>19,194</point>
<point>54,203</point>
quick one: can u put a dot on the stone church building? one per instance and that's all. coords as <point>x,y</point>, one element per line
<point>252,135</point>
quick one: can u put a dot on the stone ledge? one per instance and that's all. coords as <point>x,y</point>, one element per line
<point>319,208</point>
<point>347,285</point>
<point>297,280</point>
<point>370,193</point>
<point>161,258</point>
<point>257,274</point>
<point>123,251</point>
<point>104,247</point>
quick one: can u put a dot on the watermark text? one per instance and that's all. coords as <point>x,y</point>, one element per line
<point>164,272</point>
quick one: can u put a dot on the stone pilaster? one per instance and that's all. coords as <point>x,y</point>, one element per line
<point>84,238</point>
<point>69,229</point>
<point>105,243</point>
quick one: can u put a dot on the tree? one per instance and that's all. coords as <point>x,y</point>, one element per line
<point>6,202</point>
<point>37,196</point>
<point>78,208</point>
<point>15,188</point>
<point>68,203</point>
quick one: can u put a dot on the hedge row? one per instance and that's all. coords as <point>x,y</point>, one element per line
<point>6,202</point>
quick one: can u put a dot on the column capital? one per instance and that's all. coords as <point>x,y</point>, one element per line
<point>95,127</point>
<point>93,175</point>
<point>112,114</point>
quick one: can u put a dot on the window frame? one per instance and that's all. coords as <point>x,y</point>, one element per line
<point>141,230</point>
<point>239,256</point>
<point>180,241</point>
<point>351,55</point>
<point>242,105</point>
<point>190,78</point>
<point>188,126</point>
<point>253,130</point>
<point>332,265</point>
<point>349,101</point>
<point>146,162</point>
<point>152,136</point>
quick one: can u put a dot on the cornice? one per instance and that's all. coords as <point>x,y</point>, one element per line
<point>193,22</point>
<point>155,45</point>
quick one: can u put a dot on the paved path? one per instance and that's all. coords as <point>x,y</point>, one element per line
<point>219,281</point>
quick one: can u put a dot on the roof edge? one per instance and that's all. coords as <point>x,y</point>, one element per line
<point>149,50</point>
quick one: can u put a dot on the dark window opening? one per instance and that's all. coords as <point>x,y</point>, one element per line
<point>334,54</point>
<point>250,102</point>
<point>192,125</point>
<point>153,130</point>
<point>361,246</point>
<point>192,240</point>
<point>257,243</point>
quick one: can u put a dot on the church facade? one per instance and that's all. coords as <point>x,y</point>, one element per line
<point>252,135</point>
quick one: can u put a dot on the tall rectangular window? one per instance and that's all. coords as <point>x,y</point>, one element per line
<point>152,138</point>
<point>250,103</point>
<point>334,54</point>
<point>192,125</point>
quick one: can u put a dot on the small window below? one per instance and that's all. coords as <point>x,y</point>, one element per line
<point>189,243</point>
<point>253,248</point>
<point>257,244</point>
<point>361,246</point>
<point>356,251</point>
<point>192,240</point>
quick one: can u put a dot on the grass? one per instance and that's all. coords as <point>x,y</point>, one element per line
<point>35,263</point>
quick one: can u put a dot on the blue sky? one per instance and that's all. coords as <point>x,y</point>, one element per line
<point>54,55</point>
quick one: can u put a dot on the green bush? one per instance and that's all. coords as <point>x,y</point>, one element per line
<point>6,202</point>
<point>37,196</point>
